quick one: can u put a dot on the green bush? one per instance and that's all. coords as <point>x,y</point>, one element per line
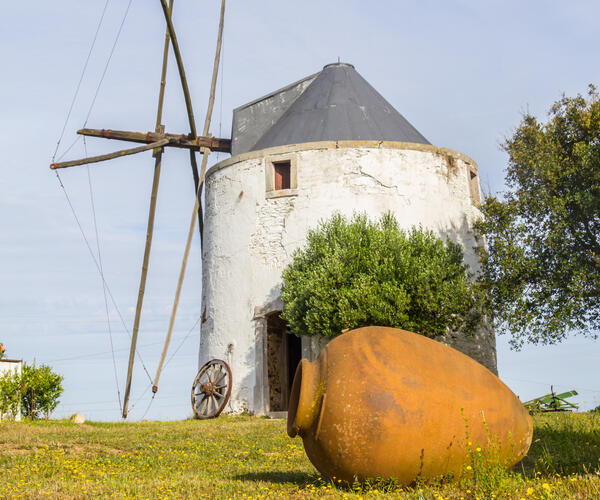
<point>359,272</point>
<point>36,390</point>
<point>10,395</point>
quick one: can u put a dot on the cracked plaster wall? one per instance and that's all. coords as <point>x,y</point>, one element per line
<point>249,238</point>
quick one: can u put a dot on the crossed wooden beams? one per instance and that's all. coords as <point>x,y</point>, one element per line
<point>157,141</point>
<point>152,140</point>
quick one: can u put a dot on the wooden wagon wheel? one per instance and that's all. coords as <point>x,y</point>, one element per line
<point>211,389</point>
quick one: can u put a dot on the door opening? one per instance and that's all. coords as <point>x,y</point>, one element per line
<point>284,352</point>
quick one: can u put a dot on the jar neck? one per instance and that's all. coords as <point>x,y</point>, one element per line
<point>303,407</point>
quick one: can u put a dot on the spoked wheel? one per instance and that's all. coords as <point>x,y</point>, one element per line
<point>211,389</point>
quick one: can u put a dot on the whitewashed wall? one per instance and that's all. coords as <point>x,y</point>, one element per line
<point>250,236</point>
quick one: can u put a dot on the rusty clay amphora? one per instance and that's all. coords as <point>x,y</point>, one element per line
<point>386,403</point>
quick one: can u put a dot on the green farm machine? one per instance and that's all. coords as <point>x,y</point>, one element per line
<point>551,402</point>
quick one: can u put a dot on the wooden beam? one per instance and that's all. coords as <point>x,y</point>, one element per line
<point>151,213</point>
<point>209,111</point>
<point>110,156</point>
<point>186,95</point>
<point>175,140</point>
<point>197,206</point>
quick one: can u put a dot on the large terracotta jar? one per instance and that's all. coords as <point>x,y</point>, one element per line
<point>387,403</point>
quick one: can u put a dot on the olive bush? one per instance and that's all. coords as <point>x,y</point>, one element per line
<point>36,391</point>
<point>358,272</point>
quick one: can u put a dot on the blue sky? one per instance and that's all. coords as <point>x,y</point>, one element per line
<point>460,71</point>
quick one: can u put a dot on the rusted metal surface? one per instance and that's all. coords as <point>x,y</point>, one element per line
<point>175,140</point>
<point>211,389</point>
<point>386,403</point>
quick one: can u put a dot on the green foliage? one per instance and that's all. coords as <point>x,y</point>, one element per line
<point>358,273</point>
<point>541,271</point>
<point>36,390</point>
<point>10,396</point>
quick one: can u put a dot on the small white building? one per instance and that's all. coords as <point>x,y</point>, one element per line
<point>8,366</point>
<point>327,143</point>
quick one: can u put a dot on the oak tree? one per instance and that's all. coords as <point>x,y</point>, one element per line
<point>541,271</point>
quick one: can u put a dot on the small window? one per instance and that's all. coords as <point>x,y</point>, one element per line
<point>282,172</point>
<point>281,176</point>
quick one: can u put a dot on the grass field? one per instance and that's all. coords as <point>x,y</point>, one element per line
<point>245,457</point>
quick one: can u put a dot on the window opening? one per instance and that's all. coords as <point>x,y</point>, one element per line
<point>282,175</point>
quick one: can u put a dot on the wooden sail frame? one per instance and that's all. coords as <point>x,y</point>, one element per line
<point>157,141</point>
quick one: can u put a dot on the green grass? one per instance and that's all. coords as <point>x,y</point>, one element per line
<point>243,457</point>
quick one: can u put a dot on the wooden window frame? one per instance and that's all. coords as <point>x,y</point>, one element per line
<point>271,162</point>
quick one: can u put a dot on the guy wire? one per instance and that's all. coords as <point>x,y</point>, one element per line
<point>112,50</point>
<point>183,340</point>
<point>112,349</point>
<point>62,133</point>
<point>87,243</point>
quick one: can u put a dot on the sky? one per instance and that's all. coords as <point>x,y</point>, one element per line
<point>461,71</point>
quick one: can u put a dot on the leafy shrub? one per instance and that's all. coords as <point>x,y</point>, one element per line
<point>10,396</point>
<point>36,390</point>
<point>358,273</point>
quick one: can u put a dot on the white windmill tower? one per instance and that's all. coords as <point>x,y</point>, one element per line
<point>329,142</point>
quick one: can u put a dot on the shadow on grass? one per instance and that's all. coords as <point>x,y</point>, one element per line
<point>304,479</point>
<point>564,444</point>
<point>280,477</point>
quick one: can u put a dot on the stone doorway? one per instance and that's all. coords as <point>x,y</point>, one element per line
<point>284,352</point>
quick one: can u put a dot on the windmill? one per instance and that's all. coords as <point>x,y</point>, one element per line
<point>212,386</point>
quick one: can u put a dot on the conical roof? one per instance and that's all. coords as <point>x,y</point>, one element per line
<point>338,104</point>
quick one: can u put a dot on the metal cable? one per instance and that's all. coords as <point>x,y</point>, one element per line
<point>148,407</point>
<point>112,348</point>
<point>100,353</point>
<point>62,133</point>
<point>183,341</point>
<point>97,88</point>
<point>87,243</point>
<point>133,405</point>
<point>64,153</point>
<point>112,50</point>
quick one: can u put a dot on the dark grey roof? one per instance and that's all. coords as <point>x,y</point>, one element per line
<point>338,104</point>
<point>252,120</point>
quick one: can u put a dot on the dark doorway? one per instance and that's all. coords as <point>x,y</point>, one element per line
<point>284,352</point>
